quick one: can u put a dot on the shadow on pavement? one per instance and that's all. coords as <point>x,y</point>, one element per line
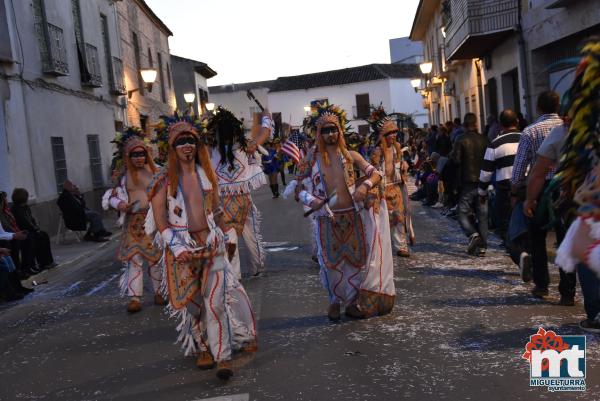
<point>488,275</point>
<point>286,323</point>
<point>524,299</point>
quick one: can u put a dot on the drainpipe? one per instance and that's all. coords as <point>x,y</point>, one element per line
<point>480,93</point>
<point>524,73</point>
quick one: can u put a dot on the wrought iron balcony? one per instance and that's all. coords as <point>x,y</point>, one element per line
<point>53,50</point>
<point>475,27</point>
<point>117,83</point>
<point>93,78</point>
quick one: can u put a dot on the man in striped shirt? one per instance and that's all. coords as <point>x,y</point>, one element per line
<point>499,158</point>
<point>533,135</point>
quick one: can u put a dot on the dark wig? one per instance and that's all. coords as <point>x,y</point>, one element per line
<point>226,130</point>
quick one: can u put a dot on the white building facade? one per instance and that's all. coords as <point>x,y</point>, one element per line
<point>491,55</point>
<point>59,97</point>
<point>354,89</point>
<point>191,76</point>
<point>145,44</point>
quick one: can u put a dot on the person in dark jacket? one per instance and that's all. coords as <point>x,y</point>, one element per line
<point>21,246</point>
<point>25,221</point>
<point>76,215</point>
<point>468,153</point>
<point>443,144</point>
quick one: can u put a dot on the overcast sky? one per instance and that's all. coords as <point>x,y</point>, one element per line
<point>259,40</point>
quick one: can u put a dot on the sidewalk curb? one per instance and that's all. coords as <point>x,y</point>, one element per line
<point>63,265</point>
<point>91,251</point>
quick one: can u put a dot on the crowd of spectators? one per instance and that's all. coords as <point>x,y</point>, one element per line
<point>25,249</point>
<point>495,180</point>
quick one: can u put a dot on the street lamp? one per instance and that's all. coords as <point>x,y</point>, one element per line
<point>426,67</point>
<point>415,83</point>
<point>189,97</point>
<point>148,76</point>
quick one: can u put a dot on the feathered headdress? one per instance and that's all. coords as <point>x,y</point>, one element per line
<point>380,122</point>
<point>168,128</point>
<point>125,142</point>
<point>581,153</point>
<point>225,130</point>
<point>324,112</point>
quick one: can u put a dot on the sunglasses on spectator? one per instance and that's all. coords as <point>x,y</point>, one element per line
<point>390,134</point>
<point>185,140</point>
<point>329,130</point>
<point>137,154</point>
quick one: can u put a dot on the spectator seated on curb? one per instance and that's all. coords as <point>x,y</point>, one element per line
<point>10,285</point>
<point>25,220</point>
<point>76,215</point>
<point>421,180</point>
<point>21,245</point>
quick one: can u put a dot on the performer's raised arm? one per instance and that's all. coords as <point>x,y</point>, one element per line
<point>265,128</point>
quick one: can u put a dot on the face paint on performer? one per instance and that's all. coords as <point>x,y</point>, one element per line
<point>185,146</point>
<point>330,133</point>
<point>390,137</point>
<point>138,156</point>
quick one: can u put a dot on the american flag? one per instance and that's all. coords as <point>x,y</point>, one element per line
<point>294,147</point>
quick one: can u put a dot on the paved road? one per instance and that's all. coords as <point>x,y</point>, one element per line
<point>457,332</point>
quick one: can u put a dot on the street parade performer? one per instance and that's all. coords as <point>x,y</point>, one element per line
<point>579,178</point>
<point>133,169</point>
<point>387,157</point>
<point>351,226</point>
<point>216,318</point>
<point>239,170</point>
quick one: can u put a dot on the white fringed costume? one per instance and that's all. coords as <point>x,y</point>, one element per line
<point>212,307</point>
<point>136,247</point>
<point>235,184</point>
<point>396,197</point>
<point>353,246</point>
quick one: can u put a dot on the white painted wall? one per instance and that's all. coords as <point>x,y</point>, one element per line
<point>505,59</point>
<point>239,104</point>
<point>405,51</point>
<point>291,103</point>
<point>396,95</point>
<point>49,106</point>
<point>405,100</point>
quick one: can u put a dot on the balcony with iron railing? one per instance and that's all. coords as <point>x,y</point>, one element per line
<point>117,82</point>
<point>475,27</point>
<point>93,76</point>
<point>53,50</point>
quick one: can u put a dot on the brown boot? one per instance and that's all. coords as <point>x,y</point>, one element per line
<point>224,370</point>
<point>159,300</point>
<point>353,312</point>
<point>403,253</point>
<point>205,360</point>
<point>134,305</point>
<point>334,312</point>
<point>250,347</point>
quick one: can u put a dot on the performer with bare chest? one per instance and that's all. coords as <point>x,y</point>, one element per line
<point>216,318</point>
<point>133,164</point>
<point>387,156</point>
<point>345,225</point>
